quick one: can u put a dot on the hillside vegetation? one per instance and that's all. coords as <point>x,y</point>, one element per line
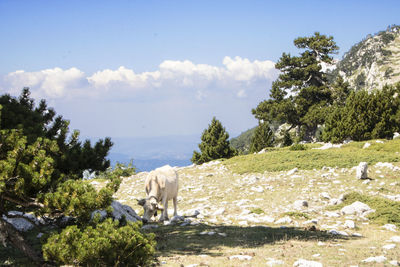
<point>251,208</point>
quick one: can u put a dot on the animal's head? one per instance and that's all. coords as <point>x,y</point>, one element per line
<point>150,207</point>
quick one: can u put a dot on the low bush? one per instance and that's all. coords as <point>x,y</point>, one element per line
<point>105,244</point>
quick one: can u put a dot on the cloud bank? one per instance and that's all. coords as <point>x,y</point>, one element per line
<point>236,75</point>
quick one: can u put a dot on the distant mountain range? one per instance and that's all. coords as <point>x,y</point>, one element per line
<point>149,153</point>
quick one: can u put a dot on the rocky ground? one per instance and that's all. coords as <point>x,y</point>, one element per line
<point>283,218</point>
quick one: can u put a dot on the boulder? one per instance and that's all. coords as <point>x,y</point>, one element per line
<point>362,170</point>
<point>357,208</point>
<point>378,259</point>
<point>120,210</point>
<point>306,263</point>
<point>299,204</point>
<point>396,135</point>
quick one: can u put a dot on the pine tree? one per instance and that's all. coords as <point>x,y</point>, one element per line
<point>263,137</point>
<point>214,145</point>
<point>301,93</point>
<point>32,181</point>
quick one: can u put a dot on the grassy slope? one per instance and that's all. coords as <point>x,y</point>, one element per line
<point>347,156</point>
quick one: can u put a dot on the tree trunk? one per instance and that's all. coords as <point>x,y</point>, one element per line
<point>10,234</point>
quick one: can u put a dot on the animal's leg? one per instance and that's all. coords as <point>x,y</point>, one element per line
<point>164,214</point>
<point>174,200</point>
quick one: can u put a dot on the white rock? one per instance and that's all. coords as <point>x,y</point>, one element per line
<point>273,262</point>
<point>366,145</point>
<point>219,211</point>
<point>306,263</point>
<point>396,135</point>
<point>358,208</point>
<point>149,226</point>
<point>328,146</point>
<point>336,232</point>
<point>356,234</point>
<point>394,263</point>
<point>362,170</point>
<point>192,265</point>
<point>257,189</point>
<point>389,246</point>
<point>325,195</point>
<point>299,204</point>
<point>384,165</point>
<point>390,227</point>
<point>20,224</point>
<point>243,223</point>
<point>292,171</point>
<point>284,220</point>
<point>349,224</point>
<point>378,259</point>
<point>331,214</point>
<point>222,234</point>
<point>395,239</point>
<point>267,219</point>
<point>241,257</point>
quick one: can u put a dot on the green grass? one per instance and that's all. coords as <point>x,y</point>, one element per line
<point>257,211</point>
<point>297,215</point>
<point>387,211</point>
<point>282,159</point>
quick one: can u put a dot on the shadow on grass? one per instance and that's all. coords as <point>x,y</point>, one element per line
<point>192,240</point>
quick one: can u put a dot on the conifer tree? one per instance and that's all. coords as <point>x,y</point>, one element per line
<point>263,137</point>
<point>33,181</point>
<point>214,145</point>
<point>301,92</point>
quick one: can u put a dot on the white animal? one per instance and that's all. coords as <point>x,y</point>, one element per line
<point>161,186</point>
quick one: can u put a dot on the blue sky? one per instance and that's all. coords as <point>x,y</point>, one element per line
<point>159,68</point>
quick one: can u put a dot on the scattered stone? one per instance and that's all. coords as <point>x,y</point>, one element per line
<point>396,135</point>
<point>335,201</point>
<point>356,234</point>
<point>378,259</point>
<point>284,220</point>
<point>389,246</point>
<point>219,211</point>
<point>299,204</point>
<point>390,227</point>
<point>177,219</point>
<point>20,224</point>
<point>222,234</point>
<point>292,171</point>
<point>395,239</point>
<point>241,257</point>
<point>149,226</point>
<point>316,255</point>
<point>384,165</point>
<point>306,263</point>
<point>394,263</point>
<point>320,243</point>
<point>366,145</point>
<point>362,170</point>
<point>325,195</point>
<point>328,146</point>
<point>349,224</point>
<point>357,208</point>
<point>257,189</point>
<point>331,214</point>
<point>273,262</point>
<point>336,232</point>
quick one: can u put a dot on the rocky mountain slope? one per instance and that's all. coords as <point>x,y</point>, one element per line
<point>281,218</point>
<point>373,62</point>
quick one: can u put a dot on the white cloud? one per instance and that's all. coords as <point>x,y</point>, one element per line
<point>52,83</point>
<point>186,74</point>
<point>237,76</point>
